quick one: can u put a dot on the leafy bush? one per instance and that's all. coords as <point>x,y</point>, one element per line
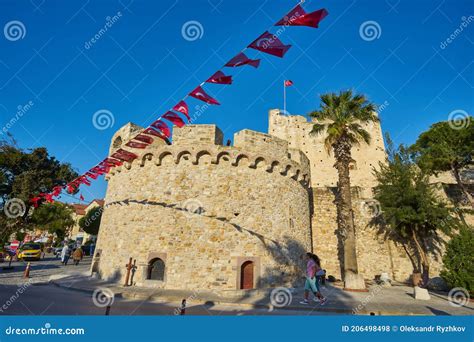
<point>459,261</point>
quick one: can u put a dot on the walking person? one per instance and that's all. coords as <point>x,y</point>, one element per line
<point>67,256</point>
<point>77,255</point>
<point>64,252</point>
<point>313,265</point>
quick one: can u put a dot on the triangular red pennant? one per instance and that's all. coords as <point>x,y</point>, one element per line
<point>35,201</point>
<point>182,107</point>
<point>81,197</point>
<point>92,175</point>
<point>144,138</point>
<point>270,44</point>
<point>162,127</point>
<point>200,94</point>
<point>155,133</point>
<point>136,144</point>
<point>242,59</point>
<point>110,162</point>
<point>174,118</point>
<point>298,17</point>
<point>124,155</point>
<point>57,190</point>
<point>220,78</point>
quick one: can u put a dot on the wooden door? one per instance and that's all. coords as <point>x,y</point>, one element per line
<point>246,275</point>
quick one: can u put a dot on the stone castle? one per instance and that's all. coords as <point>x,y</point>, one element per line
<point>198,214</point>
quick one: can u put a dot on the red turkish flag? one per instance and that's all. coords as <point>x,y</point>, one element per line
<point>220,78</point>
<point>182,107</point>
<point>155,133</point>
<point>35,201</point>
<point>57,190</point>
<point>81,197</point>
<point>288,83</point>
<point>71,187</point>
<point>298,17</point>
<point>92,175</point>
<point>144,138</point>
<point>242,59</point>
<point>200,94</point>
<point>174,118</point>
<point>162,127</point>
<point>136,144</point>
<point>269,43</point>
<point>124,155</point>
<point>110,162</point>
<point>82,180</point>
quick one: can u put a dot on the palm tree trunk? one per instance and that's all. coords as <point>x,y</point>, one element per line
<point>455,171</point>
<point>342,154</point>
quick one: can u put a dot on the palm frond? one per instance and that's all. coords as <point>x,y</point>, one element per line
<point>318,129</point>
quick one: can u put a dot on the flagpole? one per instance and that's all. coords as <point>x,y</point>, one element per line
<point>284,98</point>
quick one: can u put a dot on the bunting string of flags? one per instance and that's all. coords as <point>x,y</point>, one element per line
<point>267,43</point>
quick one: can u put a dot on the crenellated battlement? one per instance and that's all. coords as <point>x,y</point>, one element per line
<point>198,144</point>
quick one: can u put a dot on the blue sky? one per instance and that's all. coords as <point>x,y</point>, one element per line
<point>142,66</point>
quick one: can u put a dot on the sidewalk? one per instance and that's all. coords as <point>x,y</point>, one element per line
<point>395,300</point>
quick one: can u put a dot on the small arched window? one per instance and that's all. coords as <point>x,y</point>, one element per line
<point>156,269</point>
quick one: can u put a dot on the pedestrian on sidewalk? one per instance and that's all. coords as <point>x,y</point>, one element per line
<point>77,255</point>
<point>313,265</point>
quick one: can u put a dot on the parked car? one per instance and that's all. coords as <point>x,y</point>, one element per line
<point>30,251</point>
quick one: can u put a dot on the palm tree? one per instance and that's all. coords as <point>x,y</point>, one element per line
<point>341,118</point>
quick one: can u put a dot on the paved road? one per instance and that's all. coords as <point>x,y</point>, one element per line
<point>52,300</point>
<point>19,296</point>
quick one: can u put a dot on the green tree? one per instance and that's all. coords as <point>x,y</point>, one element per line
<point>24,174</point>
<point>413,215</point>
<point>341,118</point>
<point>458,261</point>
<point>55,218</point>
<point>447,146</point>
<point>90,222</point>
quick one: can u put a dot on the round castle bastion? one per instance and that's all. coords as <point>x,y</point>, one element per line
<point>200,215</point>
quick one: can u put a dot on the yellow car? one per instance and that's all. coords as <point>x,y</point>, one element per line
<point>30,251</point>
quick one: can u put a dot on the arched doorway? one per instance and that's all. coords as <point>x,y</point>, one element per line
<point>246,275</point>
<point>156,269</point>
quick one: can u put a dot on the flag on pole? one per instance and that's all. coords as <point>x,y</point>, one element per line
<point>81,197</point>
<point>288,83</point>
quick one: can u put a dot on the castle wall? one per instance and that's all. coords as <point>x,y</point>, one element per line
<point>296,130</point>
<point>205,209</point>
